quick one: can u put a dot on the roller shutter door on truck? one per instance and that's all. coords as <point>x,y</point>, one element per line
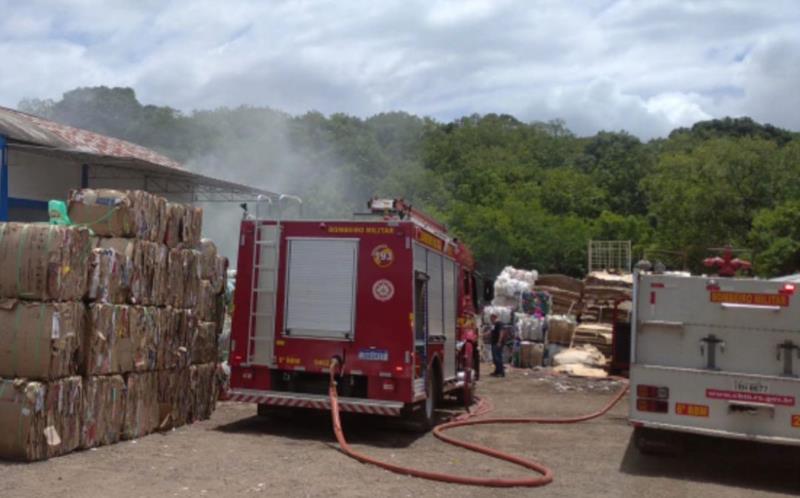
<point>321,288</point>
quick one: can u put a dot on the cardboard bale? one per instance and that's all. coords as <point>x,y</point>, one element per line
<point>204,343</point>
<point>191,286</point>
<point>174,398</point>
<point>177,340</point>
<point>63,404</point>
<point>40,340</point>
<point>103,410</point>
<point>168,321</point>
<point>221,312</point>
<point>204,391</point>
<point>108,343</point>
<point>191,227</point>
<point>174,226</point>
<point>109,213</point>
<point>43,262</point>
<point>107,277</point>
<point>219,275</point>
<point>141,405</point>
<point>206,301</point>
<point>161,287</point>
<point>560,329</point>
<point>145,335</point>
<point>146,213</point>
<point>208,258</point>
<point>562,282</point>
<point>177,269</point>
<point>23,419</point>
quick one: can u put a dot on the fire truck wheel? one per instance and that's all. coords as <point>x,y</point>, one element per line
<point>423,416</point>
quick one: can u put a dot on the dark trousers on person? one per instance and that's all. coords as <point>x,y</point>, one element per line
<point>497,357</point>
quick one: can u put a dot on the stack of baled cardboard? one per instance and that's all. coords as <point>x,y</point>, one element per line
<point>108,328</point>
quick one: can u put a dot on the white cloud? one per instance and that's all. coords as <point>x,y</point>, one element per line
<point>643,66</point>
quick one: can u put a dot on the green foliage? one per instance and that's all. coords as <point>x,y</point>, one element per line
<point>526,194</point>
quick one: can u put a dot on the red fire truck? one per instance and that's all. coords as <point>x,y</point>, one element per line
<point>389,294</point>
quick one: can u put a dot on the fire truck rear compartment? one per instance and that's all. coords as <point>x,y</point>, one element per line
<point>351,386</point>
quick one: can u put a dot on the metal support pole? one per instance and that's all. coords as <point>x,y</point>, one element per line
<point>85,176</point>
<point>3,178</point>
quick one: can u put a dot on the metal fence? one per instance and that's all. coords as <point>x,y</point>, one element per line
<point>610,255</point>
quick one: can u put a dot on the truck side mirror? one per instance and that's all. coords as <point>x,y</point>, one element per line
<point>488,291</point>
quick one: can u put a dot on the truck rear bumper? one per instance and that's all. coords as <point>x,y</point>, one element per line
<point>715,433</point>
<point>316,401</point>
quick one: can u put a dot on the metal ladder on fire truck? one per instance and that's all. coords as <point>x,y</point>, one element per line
<point>264,278</point>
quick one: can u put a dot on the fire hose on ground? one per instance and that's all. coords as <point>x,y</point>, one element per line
<point>545,474</point>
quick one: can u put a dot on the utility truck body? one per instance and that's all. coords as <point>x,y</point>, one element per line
<point>716,356</point>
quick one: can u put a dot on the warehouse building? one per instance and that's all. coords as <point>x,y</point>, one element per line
<point>43,160</point>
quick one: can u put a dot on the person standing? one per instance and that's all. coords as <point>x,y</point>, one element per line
<point>497,338</point>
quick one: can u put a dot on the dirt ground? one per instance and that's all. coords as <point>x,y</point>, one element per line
<point>237,453</point>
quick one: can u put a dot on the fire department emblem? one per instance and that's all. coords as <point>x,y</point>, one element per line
<point>383,290</point>
<point>383,256</point>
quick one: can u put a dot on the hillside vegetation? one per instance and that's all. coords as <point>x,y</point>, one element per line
<point>526,194</point>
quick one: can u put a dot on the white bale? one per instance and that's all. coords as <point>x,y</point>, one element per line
<point>586,355</point>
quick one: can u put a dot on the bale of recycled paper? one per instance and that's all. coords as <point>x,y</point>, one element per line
<point>560,329</point>
<point>206,301</point>
<point>117,213</point>
<point>204,343</point>
<point>141,405</point>
<point>63,406</point>
<point>219,274</point>
<point>208,258</point>
<point>161,286</point>
<point>40,340</point>
<point>174,398</point>
<point>145,335</point>
<point>43,262</point>
<point>107,277</point>
<point>149,213</point>
<point>109,213</point>
<point>191,227</point>
<point>23,418</point>
<point>108,347</point>
<point>174,231</point>
<point>103,410</point>
<point>178,338</point>
<point>168,344</point>
<point>204,391</point>
<point>177,270</point>
<point>191,286</point>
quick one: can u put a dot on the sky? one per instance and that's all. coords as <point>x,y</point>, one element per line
<point>642,66</point>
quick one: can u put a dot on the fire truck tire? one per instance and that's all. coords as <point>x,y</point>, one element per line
<point>423,416</point>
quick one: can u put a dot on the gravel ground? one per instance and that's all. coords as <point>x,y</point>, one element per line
<point>237,453</point>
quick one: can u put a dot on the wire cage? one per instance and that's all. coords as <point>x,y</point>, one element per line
<point>610,255</point>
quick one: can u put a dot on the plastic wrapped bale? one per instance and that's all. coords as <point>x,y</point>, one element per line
<point>63,404</point>
<point>141,405</point>
<point>174,398</point>
<point>23,418</point>
<point>530,327</point>
<point>204,390</point>
<point>512,282</point>
<point>103,410</point>
<point>40,340</point>
<point>503,314</point>
<point>107,277</point>
<point>108,343</point>
<point>43,262</point>
<point>204,343</point>
<point>145,336</point>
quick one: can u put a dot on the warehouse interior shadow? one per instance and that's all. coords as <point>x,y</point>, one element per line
<point>729,462</point>
<point>383,432</point>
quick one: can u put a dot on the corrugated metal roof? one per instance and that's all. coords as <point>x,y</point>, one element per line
<point>22,127</point>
